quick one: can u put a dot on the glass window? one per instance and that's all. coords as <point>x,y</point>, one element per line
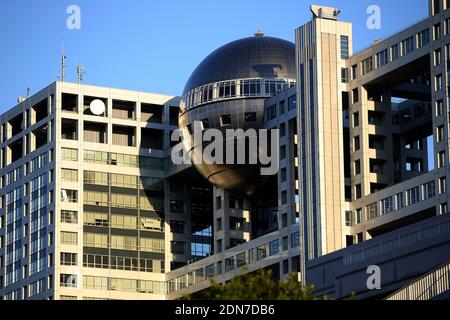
<point>344,47</point>
<point>412,196</point>
<point>69,217</point>
<point>250,117</point>
<point>407,46</point>
<point>382,58</point>
<point>69,154</point>
<point>274,247</point>
<point>69,175</point>
<point>295,240</point>
<point>225,120</point>
<point>69,238</point>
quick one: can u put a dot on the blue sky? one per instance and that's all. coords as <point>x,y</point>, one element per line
<point>154,45</point>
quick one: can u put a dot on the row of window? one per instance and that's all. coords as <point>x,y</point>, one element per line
<point>398,201</point>
<point>120,180</point>
<point>123,201</point>
<point>232,263</point>
<point>235,88</point>
<point>123,160</point>
<point>123,285</point>
<point>396,51</point>
<point>96,240</point>
<point>122,263</point>
<point>123,222</point>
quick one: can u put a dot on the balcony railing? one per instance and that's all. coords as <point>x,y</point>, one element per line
<point>427,287</point>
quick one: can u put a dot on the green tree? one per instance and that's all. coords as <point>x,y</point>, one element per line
<point>259,285</point>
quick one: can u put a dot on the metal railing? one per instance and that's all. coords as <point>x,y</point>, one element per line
<point>427,287</point>
<point>380,247</point>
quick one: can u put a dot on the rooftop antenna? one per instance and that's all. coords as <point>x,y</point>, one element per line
<point>259,33</point>
<point>28,92</point>
<point>63,64</point>
<point>80,73</point>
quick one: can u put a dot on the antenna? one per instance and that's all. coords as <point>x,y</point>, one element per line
<point>28,92</point>
<point>80,73</point>
<point>63,64</point>
<point>259,33</point>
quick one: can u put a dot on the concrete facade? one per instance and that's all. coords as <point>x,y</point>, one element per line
<point>92,206</point>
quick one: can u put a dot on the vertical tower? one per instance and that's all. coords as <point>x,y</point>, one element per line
<point>323,45</point>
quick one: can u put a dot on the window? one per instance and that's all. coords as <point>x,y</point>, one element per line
<point>442,185</point>
<point>292,102</point>
<point>69,195</point>
<point>437,31</point>
<point>443,208</point>
<point>367,65</point>
<point>436,6</point>
<point>344,75</point>
<point>250,117</point>
<point>423,38</point>
<point>438,82</point>
<point>412,196</point>
<point>399,200</point>
<point>68,280</point>
<point>69,175</point>
<point>439,108</point>
<point>429,190</point>
<point>225,120</point>
<point>98,219</point>
<point>205,124</point>
<point>68,259</point>
<point>440,134</point>
<point>387,205</point>
<point>382,58</point>
<point>177,227</point>
<point>69,238</point>
<point>437,57</point>
<point>447,26</point>
<point>354,71</point>
<point>355,95</point>
<point>441,159</point>
<point>407,46</point>
<point>355,119</point>
<point>348,218</point>
<point>177,247</point>
<point>344,47</point>
<point>357,165</point>
<point>356,143</point>
<point>69,217</point>
<point>274,247</point>
<point>371,211</point>
<point>176,206</point>
<point>358,216</point>
<point>295,240</point>
<point>69,154</point>
<point>358,193</point>
<point>395,52</point>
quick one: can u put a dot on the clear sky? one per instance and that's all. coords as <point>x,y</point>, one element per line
<point>154,45</point>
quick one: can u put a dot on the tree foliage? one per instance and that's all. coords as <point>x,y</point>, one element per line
<point>259,285</point>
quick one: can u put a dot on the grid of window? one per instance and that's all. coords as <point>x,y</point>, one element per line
<point>123,285</point>
<point>123,160</point>
<point>69,154</point>
<point>69,238</point>
<point>68,259</point>
<point>69,175</point>
<point>344,47</point>
<point>69,217</point>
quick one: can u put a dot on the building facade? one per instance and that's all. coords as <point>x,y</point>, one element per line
<point>92,207</point>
